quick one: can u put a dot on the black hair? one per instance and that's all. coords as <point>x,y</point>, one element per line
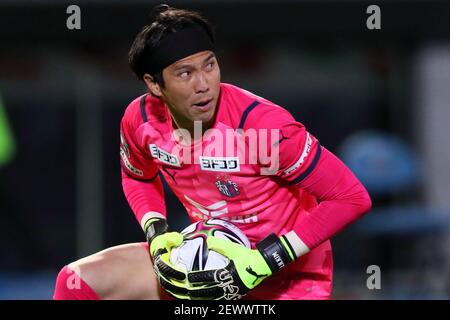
<point>164,20</point>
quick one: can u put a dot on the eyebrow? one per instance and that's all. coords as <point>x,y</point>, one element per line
<point>188,66</point>
<point>211,55</point>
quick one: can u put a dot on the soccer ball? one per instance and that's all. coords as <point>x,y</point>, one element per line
<point>193,253</point>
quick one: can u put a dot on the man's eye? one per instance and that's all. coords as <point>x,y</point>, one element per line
<point>184,74</point>
<point>210,65</point>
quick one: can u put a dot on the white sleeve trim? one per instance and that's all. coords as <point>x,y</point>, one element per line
<point>297,244</point>
<point>150,215</point>
<point>306,150</point>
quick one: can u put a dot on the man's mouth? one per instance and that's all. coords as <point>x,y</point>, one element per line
<point>202,103</point>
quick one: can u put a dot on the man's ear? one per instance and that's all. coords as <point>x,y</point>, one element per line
<point>152,85</point>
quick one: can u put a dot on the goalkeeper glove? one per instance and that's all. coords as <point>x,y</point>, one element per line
<point>247,269</point>
<point>161,243</point>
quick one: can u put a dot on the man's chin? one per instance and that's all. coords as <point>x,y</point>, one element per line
<point>203,123</point>
<point>205,118</point>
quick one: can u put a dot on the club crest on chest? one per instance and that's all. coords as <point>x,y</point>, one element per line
<point>226,186</point>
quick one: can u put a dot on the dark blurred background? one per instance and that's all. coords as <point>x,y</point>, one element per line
<point>377,98</point>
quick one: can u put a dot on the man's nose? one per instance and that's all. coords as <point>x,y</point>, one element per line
<point>201,84</point>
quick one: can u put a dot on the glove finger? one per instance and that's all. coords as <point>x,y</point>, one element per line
<point>165,269</point>
<point>212,292</point>
<point>191,293</point>
<point>205,276</point>
<point>220,284</point>
<point>166,242</point>
<point>212,277</point>
<point>221,291</point>
<point>174,239</point>
<point>178,296</point>
<point>172,288</point>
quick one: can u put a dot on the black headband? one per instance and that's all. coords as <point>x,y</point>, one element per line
<point>178,45</point>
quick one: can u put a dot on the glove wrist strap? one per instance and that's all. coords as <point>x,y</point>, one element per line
<point>274,252</point>
<point>155,227</point>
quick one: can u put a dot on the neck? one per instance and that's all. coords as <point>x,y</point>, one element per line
<point>195,128</point>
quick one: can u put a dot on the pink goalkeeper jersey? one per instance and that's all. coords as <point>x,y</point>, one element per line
<point>244,170</point>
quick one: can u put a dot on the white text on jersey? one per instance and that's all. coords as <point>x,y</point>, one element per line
<point>164,156</point>
<point>224,164</point>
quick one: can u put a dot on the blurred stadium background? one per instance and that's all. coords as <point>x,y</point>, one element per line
<point>378,99</point>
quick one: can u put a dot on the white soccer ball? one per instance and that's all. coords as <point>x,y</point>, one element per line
<point>193,253</point>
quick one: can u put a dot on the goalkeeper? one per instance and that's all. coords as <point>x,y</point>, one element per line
<point>270,176</point>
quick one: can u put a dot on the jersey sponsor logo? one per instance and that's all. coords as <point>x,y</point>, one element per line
<point>128,165</point>
<point>124,144</point>
<point>125,155</point>
<point>164,156</point>
<point>305,153</point>
<point>225,164</point>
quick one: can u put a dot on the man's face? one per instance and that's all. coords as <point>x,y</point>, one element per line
<point>191,89</point>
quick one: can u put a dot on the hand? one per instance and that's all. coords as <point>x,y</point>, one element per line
<point>247,269</point>
<point>160,249</point>
<point>173,280</point>
<point>161,243</point>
